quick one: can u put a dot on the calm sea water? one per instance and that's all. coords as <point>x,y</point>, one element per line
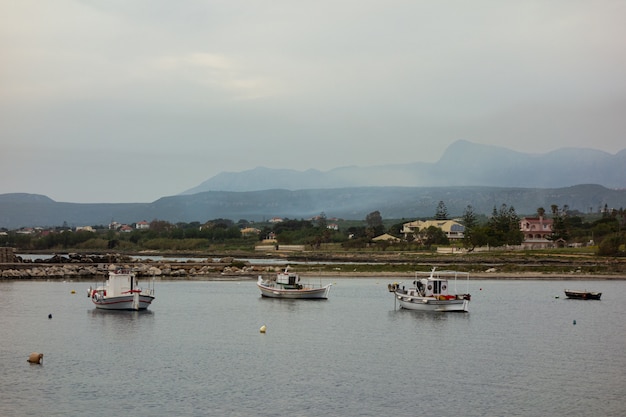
<point>198,352</point>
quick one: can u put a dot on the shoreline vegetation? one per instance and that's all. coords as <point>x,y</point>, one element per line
<point>502,265</point>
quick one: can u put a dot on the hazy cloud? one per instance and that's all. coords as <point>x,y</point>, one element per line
<point>158,95</point>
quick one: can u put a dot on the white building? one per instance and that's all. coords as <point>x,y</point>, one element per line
<point>452,229</point>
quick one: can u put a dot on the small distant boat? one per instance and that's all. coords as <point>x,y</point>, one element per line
<point>432,292</point>
<point>121,291</point>
<point>288,285</point>
<point>583,295</point>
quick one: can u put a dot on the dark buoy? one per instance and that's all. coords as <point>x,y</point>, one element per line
<point>49,316</point>
<point>574,322</point>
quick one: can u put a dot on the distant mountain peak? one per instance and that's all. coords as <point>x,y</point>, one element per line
<point>463,163</point>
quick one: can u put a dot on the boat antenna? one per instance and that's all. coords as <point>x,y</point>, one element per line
<point>432,273</point>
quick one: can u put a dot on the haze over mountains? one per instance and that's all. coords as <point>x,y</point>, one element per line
<point>483,176</point>
<point>462,164</point>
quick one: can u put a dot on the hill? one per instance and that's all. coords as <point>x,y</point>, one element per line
<point>27,210</point>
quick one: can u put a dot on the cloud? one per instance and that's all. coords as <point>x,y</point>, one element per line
<point>215,73</point>
<point>309,85</point>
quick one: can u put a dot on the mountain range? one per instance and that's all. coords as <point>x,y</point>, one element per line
<point>467,174</point>
<point>462,164</point>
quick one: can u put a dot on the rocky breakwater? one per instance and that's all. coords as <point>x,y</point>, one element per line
<point>60,271</point>
<point>75,266</point>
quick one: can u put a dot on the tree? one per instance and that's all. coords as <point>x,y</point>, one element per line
<point>610,246</point>
<point>356,232</point>
<point>396,229</point>
<point>605,211</point>
<point>559,225</point>
<point>469,218</point>
<point>160,226</point>
<point>375,225</point>
<point>503,227</point>
<point>374,219</point>
<point>471,224</point>
<point>479,237</point>
<point>435,236</point>
<point>442,211</point>
<point>321,221</point>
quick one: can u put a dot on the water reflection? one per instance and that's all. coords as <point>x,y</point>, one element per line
<point>283,304</point>
<point>124,314</point>
<point>119,324</point>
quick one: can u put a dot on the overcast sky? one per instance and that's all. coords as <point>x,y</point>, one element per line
<point>131,100</point>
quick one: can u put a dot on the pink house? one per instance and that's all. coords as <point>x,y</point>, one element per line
<point>536,232</point>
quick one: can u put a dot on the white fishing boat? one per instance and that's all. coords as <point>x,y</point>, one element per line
<point>432,292</point>
<point>121,291</point>
<point>288,285</point>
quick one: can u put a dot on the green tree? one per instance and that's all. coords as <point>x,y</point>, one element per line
<point>395,229</point>
<point>610,246</point>
<point>442,212</point>
<point>435,236</point>
<point>321,221</point>
<point>374,223</point>
<point>356,232</point>
<point>374,219</point>
<point>504,228</point>
<point>559,225</point>
<point>479,237</point>
<point>471,225</point>
<point>604,227</point>
<point>160,226</point>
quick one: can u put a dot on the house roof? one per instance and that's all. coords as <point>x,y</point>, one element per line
<point>387,237</point>
<point>445,225</point>
<point>537,220</point>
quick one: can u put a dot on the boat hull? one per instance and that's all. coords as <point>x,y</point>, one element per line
<point>294,294</point>
<point>431,304</point>
<point>583,295</point>
<point>125,302</point>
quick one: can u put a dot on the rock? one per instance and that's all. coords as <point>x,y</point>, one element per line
<point>153,270</point>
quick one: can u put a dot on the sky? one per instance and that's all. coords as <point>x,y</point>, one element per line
<point>115,101</point>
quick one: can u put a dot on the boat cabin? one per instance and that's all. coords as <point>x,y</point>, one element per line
<point>432,287</point>
<point>288,279</point>
<point>121,281</point>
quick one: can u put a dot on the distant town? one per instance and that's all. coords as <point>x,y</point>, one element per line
<point>556,227</point>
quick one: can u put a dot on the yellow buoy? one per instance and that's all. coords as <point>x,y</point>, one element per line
<point>263,329</point>
<point>73,292</point>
